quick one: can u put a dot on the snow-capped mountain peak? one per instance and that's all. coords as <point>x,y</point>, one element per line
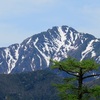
<point>35,52</point>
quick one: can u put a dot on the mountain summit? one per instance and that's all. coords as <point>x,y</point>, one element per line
<point>35,52</point>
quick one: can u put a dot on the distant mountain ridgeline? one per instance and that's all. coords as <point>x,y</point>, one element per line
<point>35,52</point>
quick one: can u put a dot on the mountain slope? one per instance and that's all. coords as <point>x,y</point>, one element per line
<point>35,85</point>
<point>35,52</point>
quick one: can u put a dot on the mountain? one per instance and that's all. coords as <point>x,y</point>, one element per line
<point>37,85</point>
<point>35,52</point>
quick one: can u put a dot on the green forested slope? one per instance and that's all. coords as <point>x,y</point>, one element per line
<point>29,86</point>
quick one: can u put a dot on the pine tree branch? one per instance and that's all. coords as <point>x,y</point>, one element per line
<point>68,71</point>
<point>74,74</point>
<point>91,76</point>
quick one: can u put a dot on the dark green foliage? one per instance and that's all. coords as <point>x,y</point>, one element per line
<point>29,86</point>
<point>73,87</point>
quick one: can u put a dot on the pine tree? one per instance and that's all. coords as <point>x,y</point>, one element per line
<point>74,87</point>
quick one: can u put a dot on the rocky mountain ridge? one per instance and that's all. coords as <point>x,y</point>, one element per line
<point>35,52</point>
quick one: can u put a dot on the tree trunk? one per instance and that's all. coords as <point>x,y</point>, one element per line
<point>80,82</point>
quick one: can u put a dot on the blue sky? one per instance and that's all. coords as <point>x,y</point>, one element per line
<point>20,19</point>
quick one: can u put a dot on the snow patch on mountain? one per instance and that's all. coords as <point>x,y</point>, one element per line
<point>93,54</point>
<point>29,41</point>
<point>11,59</point>
<point>88,49</point>
<point>45,57</point>
<point>98,59</point>
<point>40,60</point>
